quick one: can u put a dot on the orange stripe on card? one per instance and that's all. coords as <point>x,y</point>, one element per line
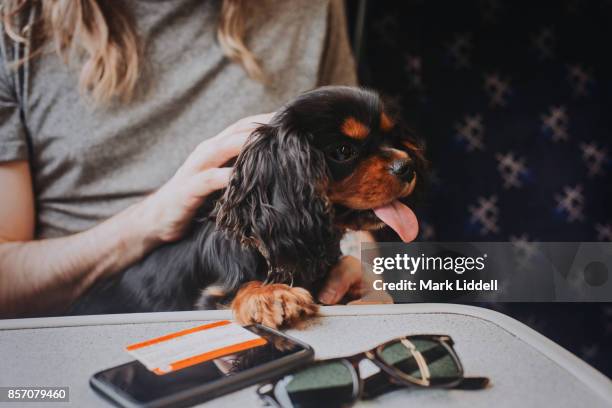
<point>234,348</point>
<point>170,336</point>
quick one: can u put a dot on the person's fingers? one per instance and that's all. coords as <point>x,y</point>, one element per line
<point>357,290</point>
<point>248,124</point>
<point>218,150</point>
<point>214,153</point>
<point>233,137</point>
<point>340,279</point>
<point>207,181</point>
<point>337,285</point>
<point>251,122</point>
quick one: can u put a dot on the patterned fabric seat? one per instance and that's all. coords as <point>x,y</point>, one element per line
<point>514,101</point>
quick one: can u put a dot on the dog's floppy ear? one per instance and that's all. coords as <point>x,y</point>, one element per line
<point>276,202</point>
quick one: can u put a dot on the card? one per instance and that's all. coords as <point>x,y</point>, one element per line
<point>185,348</point>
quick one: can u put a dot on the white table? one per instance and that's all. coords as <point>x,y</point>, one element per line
<point>526,369</point>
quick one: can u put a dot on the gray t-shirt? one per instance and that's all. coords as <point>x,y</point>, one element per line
<point>89,163</point>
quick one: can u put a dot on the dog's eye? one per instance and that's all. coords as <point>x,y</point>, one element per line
<point>343,152</point>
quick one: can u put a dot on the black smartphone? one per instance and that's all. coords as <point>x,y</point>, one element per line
<point>133,385</point>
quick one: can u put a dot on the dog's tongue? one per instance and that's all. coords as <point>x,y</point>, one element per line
<point>401,218</point>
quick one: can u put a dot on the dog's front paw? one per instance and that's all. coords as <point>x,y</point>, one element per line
<point>272,305</point>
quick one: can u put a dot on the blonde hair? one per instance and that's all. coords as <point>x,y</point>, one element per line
<point>102,32</point>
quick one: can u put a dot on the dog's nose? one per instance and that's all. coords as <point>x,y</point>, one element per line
<point>403,169</point>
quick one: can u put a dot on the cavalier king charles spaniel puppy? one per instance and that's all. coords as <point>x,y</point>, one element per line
<point>334,159</point>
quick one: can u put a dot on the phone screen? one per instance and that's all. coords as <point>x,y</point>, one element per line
<point>142,386</point>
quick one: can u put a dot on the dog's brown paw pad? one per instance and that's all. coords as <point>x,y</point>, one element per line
<point>272,305</point>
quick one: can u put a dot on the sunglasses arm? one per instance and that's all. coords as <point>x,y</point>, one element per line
<point>379,384</point>
<point>472,383</point>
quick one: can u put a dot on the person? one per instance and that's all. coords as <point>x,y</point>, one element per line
<point>114,126</point>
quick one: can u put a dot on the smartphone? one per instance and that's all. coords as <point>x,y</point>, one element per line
<point>133,385</point>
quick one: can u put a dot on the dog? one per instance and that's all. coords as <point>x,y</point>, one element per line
<point>334,159</point>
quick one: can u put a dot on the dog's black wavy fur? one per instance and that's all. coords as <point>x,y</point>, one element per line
<point>273,222</point>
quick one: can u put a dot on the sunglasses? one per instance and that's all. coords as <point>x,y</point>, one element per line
<point>421,360</point>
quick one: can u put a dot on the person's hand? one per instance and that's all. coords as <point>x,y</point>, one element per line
<point>166,213</point>
<point>347,280</point>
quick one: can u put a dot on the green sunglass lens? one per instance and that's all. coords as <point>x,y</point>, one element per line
<point>437,363</point>
<point>329,384</point>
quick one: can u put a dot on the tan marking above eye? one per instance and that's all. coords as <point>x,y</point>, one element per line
<point>386,124</point>
<point>395,153</point>
<point>410,145</point>
<point>355,129</point>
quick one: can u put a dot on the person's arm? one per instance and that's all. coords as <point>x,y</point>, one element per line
<point>47,275</point>
<point>38,276</point>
